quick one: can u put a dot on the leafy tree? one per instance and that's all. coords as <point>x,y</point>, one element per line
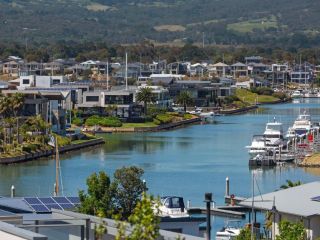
<point>128,189</point>
<point>145,95</point>
<point>98,199</point>
<point>245,234</point>
<point>291,231</point>
<point>143,220</point>
<point>185,98</point>
<point>290,184</point>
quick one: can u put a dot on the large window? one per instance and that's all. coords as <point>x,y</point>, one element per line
<point>120,99</point>
<point>92,98</point>
<point>55,81</point>
<point>25,81</point>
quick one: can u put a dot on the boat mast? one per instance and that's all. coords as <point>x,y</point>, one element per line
<point>56,189</point>
<point>252,210</point>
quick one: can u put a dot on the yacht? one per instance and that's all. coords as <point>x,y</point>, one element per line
<point>229,232</point>
<point>271,139</point>
<point>297,94</point>
<point>302,125</point>
<point>173,207</point>
<point>291,133</point>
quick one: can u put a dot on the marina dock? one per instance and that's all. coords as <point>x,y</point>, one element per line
<point>224,211</point>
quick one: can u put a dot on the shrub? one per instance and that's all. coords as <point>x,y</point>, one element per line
<point>156,121</point>
<point>63,141</point>
<point>154,111</point>
<point>280,95</point>
<point>30,147</point>
<point>187,116</point>
<point>93,120</point>
<point>262,91</point>
<point>77,121</point>
<point>164,118</point>
<point>103,121</point>
<point>110,122</point>
<point>230,99</point>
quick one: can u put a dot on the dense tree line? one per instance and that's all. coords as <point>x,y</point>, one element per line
<point>147,52</point>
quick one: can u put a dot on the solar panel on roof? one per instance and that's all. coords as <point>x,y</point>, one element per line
<point>40,208</point>
<point>67,206</point>
<point>55,206</point>
<point>74,200</point>
<point>32,200</point>
<point>47,200</point>
<point>61,200</point>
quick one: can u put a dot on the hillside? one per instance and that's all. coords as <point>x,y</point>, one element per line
<point>272,22</point>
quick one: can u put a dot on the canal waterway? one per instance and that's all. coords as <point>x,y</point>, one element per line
<point>186,162</point>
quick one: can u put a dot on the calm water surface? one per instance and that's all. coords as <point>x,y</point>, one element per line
<point>186,162</point>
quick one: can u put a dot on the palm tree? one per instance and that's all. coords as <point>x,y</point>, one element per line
<point>290,184</point>
<point>185,98</point>
<point>16,102</point>
<point>145,95</point>
<point>110,109</point>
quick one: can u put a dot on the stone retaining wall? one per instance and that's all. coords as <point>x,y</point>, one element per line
<point>47,153</point>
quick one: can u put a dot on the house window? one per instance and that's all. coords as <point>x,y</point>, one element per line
<point>25,81</point>
<point>55,81</point>
<point>92,98</point>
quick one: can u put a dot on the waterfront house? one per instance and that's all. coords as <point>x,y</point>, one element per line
<point>12,68</point>
<point>38,81</point>
<point>219,69</point>
<point>196,69</point>
<point>165,79</point>
<point>177,68</point>
<point>301,77</point>
<point>50,104</point>
<point>161,97</point>
<point>204,93</point>
<point>239,70</point>
<point>96,101</point>
<point>295,204</point>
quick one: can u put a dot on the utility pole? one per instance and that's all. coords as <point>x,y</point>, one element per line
<point>202,39</point>
<point>107,75</point>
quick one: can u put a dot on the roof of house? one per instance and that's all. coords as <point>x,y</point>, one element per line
<point>295,201</point>
<point>239,64</point>
<point>220,64</point>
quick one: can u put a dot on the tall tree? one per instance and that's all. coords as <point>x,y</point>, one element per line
<point>17,101</point>
<point>185,98</point>
<point>128,188</point>
<point>143,220</point>
<point>291,231</point>
<point>145,95</point>
<point>98,199</point>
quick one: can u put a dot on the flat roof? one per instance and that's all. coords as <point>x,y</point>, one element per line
<point>295,200</point>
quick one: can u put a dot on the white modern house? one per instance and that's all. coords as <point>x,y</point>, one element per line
<point>30,81</point>
<point>296,204</point>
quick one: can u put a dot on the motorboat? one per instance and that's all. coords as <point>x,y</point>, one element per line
<point>302,125</point>
<point>205,116</point>
<point>273,133</point>
<point>172,206</point>
<point>296,94</point>
<point>230,231</point>
<point>291,133</point>
<point>272,138</point>
<point>258,145</point>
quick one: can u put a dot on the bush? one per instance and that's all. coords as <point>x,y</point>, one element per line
<point>30,147</point>
<point>77,121</point>
<point>154,111</point>
<point>230,99</point>
<point>187,116</point>
<point>110,122</point>
<point>164,118</point>
<point>262,91</point>
<point>93,120</point>
<point>156,121</point>
<point>280,95</point>
<point>103,121</point>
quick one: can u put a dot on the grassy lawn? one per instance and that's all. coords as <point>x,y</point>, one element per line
<point>133,125</point>
<point>247,96</point>
<point>248,26</point>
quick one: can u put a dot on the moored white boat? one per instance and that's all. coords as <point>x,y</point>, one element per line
<point>172,206</point>
<point>230,231</point>
<point>297,94</point>
<point>302,125</point>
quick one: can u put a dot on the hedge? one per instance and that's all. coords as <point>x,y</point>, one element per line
<point>103,121</point>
